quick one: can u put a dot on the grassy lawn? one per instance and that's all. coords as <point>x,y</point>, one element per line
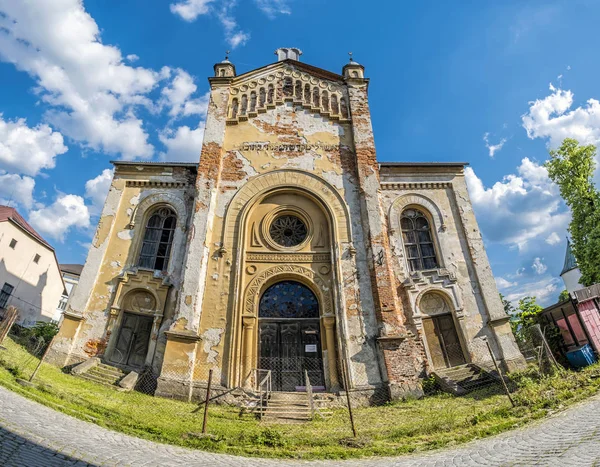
<point>399,427</point>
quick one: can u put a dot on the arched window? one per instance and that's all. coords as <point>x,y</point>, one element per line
<point>335,107</point>
<point>252,101</point>
<point>158,239</point>
<point>270,94</point>
<point>288,299</point>
<point>298,90</point>
<point>325,101</point>
<point>244,106</point>
<point>307,93</point>
<point>288,87</point>
<point>234,108</point>
<point>343,108</point>
<point>316,99</point>
<point>262,97</point>
<point>416,234</point>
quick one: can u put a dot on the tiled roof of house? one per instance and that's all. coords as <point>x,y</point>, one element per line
<point>74,269</point>
<point>10,214</point>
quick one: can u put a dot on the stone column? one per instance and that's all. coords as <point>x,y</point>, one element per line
<point>328,323</point>
<point>248,323</point>
<point>402,351</point>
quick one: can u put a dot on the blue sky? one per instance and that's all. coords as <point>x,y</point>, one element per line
<point>491,83</point>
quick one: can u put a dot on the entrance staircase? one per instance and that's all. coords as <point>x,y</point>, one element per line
<point>104,374</point>
<point>463,379</point>
<point>288,407</point>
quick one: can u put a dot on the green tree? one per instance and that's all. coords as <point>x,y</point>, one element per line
<point>564,295</point>
<point>572,167</point>
<point>526,315</point>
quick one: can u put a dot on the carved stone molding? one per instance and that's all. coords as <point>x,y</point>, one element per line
<point>415,185</point>
<point>155,184</point>
<point>281,257</point>
<point>288,271</point>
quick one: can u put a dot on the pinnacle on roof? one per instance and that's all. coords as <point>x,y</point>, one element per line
<point>570,261</point>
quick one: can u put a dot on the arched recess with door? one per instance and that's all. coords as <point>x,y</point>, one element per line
<point>284,234</point>
<point>441,331</point>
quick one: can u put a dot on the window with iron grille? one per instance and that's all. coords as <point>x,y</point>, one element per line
<point>418,243</point>
<point>158,240</point>
<point>5,294</point>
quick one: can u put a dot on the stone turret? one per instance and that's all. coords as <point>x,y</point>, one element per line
<point>288,53</point>
<point>224,69</point>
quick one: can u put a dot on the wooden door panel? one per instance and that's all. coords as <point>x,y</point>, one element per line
<point>139,349</point>
<point>451,344</point>
<point>433,343</point>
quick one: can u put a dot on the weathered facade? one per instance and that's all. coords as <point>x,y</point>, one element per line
<point>288,248</point>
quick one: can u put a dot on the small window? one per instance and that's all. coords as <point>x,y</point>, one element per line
<point>13,243</point>
<point>7,290</point>
<point>416,235</point>
<point>36,259</point>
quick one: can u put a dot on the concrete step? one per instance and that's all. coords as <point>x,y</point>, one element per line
<point>111,377</point>
<point>95,379</point>
<point>109,369</point>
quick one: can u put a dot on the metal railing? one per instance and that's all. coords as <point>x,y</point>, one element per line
<point>309,393</point>
<point>264,388</point>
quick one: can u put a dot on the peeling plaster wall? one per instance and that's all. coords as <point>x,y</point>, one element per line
<point>134,191</point>
<point>464,275</point>
<point>332,161</point>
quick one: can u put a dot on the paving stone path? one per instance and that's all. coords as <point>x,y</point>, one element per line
<point>33,435</point>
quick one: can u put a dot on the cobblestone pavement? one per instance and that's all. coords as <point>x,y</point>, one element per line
<point>33,435</point>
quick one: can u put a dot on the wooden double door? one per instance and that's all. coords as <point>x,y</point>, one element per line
<point>443,342</point>
<point>289,348</point>
<point>133,340</point>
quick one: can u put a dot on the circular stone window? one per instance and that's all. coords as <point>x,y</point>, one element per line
<point>288,231</point>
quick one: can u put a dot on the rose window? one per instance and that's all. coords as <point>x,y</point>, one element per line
<point>288,231</point>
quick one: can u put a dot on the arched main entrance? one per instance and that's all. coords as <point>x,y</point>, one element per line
<point>289,336</point>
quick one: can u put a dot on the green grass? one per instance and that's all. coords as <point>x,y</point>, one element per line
<point>399,427</point>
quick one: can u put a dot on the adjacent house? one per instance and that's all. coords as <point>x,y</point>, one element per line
<point>30,278</point>
<point>70,274</point>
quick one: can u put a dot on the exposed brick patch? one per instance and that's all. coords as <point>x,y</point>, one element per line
<point>232,170</point>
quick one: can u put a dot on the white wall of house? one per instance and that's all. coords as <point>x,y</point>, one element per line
<point>71,281</point>
<point>37,286</point>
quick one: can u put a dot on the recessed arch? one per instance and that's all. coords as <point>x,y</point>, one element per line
<point>282,272</point>
<point>305,182</point>
<point>415,199</point>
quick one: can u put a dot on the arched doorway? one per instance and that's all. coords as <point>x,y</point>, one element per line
<point>289,336</point>
<point>443,343</point>
<point>135,329</point>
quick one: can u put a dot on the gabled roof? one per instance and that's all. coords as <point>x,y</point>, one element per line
<point>11,215</point>
<point>570,261</point>
<point>74,269</point>
<point>313,70</point>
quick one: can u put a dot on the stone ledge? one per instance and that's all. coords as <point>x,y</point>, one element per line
<point>182,336</point>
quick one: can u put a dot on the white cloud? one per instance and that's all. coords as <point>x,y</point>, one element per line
<point>177,96</point>
<point>28,150</point>
<point>234,36</point>
<point>183,145</point>
<point>15,189</point>
<point>55,220</point>
<point>132,58</point>
<point>504,284</point>
<point>92,91</point>
<point>520,208</point>
<point>493,148</point>
<point>96,190</point>
<point>552,118</point>
<point>553,239</point>
<point>189,10</point>
<point>538,266</point>
<point>545,289</point>
<point>272,8</point>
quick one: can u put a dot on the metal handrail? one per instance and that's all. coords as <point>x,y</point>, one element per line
<point>309,393</point>
<point>264,395</point>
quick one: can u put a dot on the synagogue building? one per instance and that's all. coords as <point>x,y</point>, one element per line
<point>288,247</point>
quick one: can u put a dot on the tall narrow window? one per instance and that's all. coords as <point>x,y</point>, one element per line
<point>418,243</point>
<point>5,294</point>
<point>158,240</point>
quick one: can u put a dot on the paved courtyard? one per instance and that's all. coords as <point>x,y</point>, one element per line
<point>33,435</point>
